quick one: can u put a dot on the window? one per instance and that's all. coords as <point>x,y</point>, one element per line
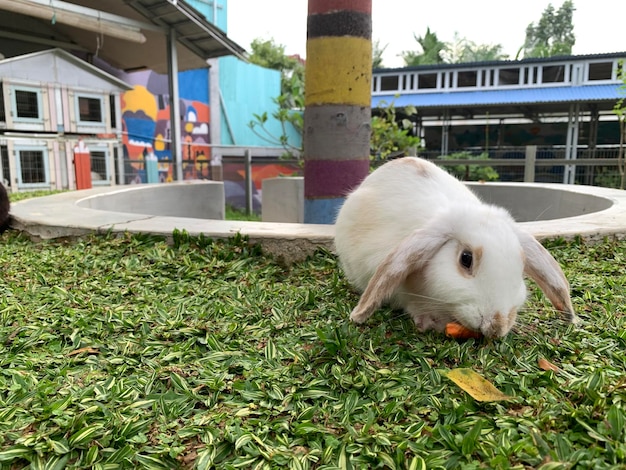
<point>553,74</point>
<point>5,173</point>
<point>90,110</point>
<point>600,71</point>
<point>32,166</point>
<point>508,77</point>
<point>407,82</point>
<point>2,113</point>
<point>99,166</point>
<point>389,83</point>
<point>487,78</point>
<point>467,79</point>
<point>112,106</point>
<point>426,80</point>
<point>27,103</point>
<point>530,75</point>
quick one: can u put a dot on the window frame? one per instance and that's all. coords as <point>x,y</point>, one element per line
<point>17,149</point>
<point>14,111</point>
<point>90,96</point>
<point>103,148</point>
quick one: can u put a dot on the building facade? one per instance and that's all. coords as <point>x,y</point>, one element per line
<point>50,101</point>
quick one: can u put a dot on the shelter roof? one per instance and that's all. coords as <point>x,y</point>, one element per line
<point>197,39</point>
<point>554,99</point>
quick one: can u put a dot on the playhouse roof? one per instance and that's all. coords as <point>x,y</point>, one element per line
<point>59,67</point>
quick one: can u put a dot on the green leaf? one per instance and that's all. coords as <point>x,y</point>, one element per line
<point>60,446</point>
<point>617,422</point>
<point>470,439</point>
<point>83,436</point>
<point>15,452</point>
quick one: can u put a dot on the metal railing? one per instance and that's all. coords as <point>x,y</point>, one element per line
<point>532,164</point>
<point>598,167</point>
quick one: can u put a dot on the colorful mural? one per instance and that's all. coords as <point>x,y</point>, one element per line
<point>146,126</point>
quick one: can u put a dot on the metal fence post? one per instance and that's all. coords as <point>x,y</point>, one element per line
<point>248,171</point>
<point>529,163</point>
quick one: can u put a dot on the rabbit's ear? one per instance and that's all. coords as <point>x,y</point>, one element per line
<point>411,255</point>
<point>542,268</point>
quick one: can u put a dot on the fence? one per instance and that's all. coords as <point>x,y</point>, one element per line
<point>596,167</point>
<point>243,172</point>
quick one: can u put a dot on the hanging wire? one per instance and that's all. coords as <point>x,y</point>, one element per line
<point>99,37</point>
<point>53,20</point>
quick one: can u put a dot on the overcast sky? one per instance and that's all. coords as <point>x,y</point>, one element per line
<point>599,25</point>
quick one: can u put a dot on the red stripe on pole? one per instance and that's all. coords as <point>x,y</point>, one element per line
<point>333,178</point>
<point>327,6</point>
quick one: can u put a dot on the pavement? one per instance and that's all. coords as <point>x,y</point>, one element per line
<point>65,215</point>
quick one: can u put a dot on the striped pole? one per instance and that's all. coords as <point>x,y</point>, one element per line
<point>337,114</point>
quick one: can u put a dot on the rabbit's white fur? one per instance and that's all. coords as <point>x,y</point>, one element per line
<point>400,236</point>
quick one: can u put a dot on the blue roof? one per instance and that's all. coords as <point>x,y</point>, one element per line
<point>561,94</point>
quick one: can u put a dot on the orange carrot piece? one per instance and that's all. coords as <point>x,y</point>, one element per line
<point>458,331</point>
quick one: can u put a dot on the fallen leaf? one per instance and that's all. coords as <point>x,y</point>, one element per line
<point>87,350</point>
<point>544,364</point>
<point>475,385</point>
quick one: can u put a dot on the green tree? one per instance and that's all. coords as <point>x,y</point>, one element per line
<point>469,172</point>
<point>392,135</point>
<point>432,50</point>
<point>462,50</point>
<point>553,34</point>
<point>377,55</point>
<point>266,53</point>
<point>288,113</point>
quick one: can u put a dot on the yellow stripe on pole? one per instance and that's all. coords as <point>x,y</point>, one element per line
<point>338,71</point>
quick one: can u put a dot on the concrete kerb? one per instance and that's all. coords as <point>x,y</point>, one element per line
<point>69,215</point>
<point>65,215</point>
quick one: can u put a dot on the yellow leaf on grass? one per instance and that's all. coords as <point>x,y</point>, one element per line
<point>475,385</point>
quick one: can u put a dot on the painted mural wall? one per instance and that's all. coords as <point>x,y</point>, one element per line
<point>146,126</point>
<point>245,89</point>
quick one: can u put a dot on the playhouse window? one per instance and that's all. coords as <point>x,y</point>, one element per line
<point>90,110</point>
<point>27,104</point>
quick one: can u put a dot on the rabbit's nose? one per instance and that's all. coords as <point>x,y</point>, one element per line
<point>497,325</point>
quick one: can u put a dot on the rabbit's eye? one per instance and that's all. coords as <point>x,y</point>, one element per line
<point>466,259</point>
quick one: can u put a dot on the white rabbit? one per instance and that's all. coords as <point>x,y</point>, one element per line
<point>416,237</point>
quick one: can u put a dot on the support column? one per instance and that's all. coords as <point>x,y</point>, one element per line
<point>337,115</point>
<point>175,133</point>
<point>445,133</point>
<point>571,145</point>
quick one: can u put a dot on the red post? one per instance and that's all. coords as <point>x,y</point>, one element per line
<point>82,165</point>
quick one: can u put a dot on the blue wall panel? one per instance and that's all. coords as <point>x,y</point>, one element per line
<point>252,92</point>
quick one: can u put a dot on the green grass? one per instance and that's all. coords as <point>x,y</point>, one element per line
<point>233,213</point>
<point>129,353</point>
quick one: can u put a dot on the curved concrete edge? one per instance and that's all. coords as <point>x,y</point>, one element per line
<point>64,215</point>
<point>593,226</point>
<point>61,216</point>
<point>195,198</point>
